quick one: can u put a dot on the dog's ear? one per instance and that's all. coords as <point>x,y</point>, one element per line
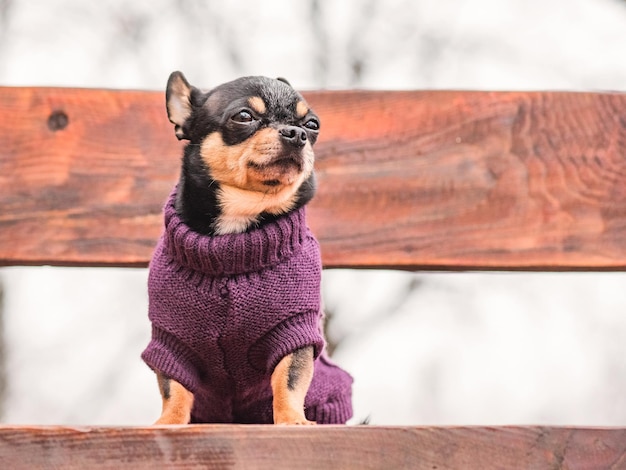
<point>178,102</point>
<point>284,80</point>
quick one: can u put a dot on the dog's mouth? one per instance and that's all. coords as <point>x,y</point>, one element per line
<point>279,171</point>
<point>281,164</point>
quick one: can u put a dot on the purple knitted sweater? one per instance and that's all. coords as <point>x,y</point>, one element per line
<point>225,310</point>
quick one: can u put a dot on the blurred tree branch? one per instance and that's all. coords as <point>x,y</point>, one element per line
<point>320,35</point>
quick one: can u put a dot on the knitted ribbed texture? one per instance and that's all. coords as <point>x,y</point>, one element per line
<point>225,309</point>
<point>230,254</point>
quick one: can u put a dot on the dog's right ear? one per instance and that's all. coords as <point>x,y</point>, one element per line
<point>178,102</point>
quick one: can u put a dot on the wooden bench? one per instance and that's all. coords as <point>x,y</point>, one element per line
<point>407,180</point>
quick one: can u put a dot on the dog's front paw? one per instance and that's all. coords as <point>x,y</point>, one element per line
<point>292,418</point>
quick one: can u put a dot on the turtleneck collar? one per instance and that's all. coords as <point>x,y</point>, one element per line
<point>231,254</point>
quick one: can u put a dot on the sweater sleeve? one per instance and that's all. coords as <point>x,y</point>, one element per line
<point>172,358</point>
<point>295,332</point>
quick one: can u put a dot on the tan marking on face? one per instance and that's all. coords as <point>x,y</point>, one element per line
<point>243,194</point>
<point>301,109</point>
<point>257,104</point>
<point>229,164</point>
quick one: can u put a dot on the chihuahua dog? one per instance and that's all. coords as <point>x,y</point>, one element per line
<point>235,279</point>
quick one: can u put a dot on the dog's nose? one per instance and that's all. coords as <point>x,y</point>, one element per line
<point>292,135</point>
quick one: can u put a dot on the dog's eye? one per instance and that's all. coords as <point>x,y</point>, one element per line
<point>243,116</point>
<point>312,124</point>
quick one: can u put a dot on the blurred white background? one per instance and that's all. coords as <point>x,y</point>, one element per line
<point>424,348</point>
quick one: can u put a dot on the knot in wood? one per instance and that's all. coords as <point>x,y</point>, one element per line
<point>58,121</point>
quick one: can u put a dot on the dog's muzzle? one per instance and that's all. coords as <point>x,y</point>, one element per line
<point>293,136</point>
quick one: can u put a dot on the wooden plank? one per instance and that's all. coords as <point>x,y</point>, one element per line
<point>89,192</point>
<point>277,447</point>
<point>473,180</point>
<point>421,179</point>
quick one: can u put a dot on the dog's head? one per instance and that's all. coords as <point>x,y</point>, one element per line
<point>254,136</point>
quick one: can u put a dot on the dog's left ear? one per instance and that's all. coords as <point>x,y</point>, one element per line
<point>284,80</point>
<point>178,102</point>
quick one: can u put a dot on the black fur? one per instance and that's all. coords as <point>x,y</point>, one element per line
<point>196,197</point>
<point>215,111</point>
<point>300,359</point>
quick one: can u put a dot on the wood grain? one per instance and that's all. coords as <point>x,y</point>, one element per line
<point>278,447</point>
<point>89,193</point>
<point>411,180</point>
<point>473,180</point>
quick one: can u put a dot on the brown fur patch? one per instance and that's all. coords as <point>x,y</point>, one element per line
<point>257,104</point>
<point>177,402</point>
<point>288,404</point>
<point>243,170</point>
<point>301,109</point>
